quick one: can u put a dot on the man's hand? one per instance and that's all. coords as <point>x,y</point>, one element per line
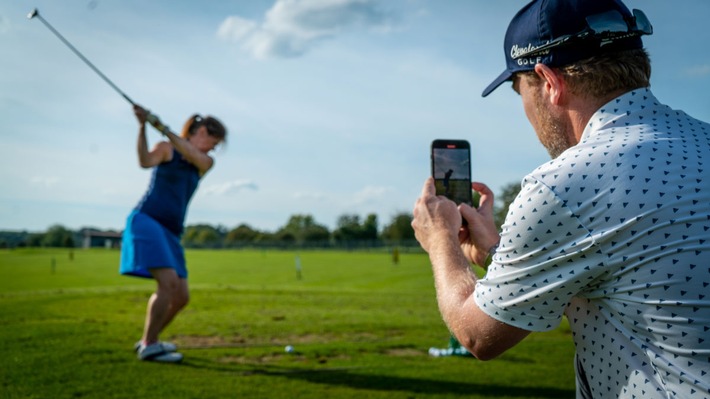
<point>436,218</point>
<point>481,234</point>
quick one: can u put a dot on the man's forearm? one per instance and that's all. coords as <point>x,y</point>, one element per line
<point>454,281</point>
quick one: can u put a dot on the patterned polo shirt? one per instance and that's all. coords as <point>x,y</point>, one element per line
<point>615,234</point>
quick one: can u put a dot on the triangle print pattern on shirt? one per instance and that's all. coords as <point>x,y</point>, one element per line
<point>615,234</point>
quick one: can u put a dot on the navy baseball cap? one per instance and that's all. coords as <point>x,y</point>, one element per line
<point>560,32</point>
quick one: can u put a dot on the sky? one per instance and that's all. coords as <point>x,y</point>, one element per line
<point>330,105</point>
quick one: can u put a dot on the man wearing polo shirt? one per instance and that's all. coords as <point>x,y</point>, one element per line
<point>613,232</point>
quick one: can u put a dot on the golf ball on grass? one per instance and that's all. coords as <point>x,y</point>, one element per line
<point>289,349</point>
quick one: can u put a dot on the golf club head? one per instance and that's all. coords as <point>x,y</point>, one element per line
<point>33,14</point>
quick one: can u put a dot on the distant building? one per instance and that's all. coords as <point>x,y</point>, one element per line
<point>101,239</point>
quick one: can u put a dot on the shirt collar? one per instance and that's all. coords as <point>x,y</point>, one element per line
<point>612,114</point>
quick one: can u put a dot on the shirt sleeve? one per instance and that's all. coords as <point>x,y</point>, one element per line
<point>540,263</point>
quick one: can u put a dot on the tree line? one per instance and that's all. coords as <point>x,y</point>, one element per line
<point>300,231</point>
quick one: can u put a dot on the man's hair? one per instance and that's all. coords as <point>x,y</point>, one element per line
<point>607,73</point>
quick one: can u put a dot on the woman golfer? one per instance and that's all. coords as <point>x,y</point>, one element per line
<point>151,241</point>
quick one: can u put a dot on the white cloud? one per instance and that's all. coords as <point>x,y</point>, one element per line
<point>367,195</point>
<point>698,71</point>
<point>236,28</point>
<point>370,194</point>
<point>291,27</point>
<point>44,181</point>
<point>230,187</point>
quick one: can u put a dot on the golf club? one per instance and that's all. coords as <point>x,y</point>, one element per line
<point>151,118</point>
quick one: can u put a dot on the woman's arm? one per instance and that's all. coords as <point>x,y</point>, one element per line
<point>202,161</point>
<point>162,152</point>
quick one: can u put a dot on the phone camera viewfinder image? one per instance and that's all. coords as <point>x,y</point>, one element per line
<point>451,169</point>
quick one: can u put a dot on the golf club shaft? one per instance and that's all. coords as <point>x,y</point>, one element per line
<point>35,13</point>
<point>151,118</point>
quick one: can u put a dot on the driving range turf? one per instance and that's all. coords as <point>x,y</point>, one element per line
<point>361,327</point>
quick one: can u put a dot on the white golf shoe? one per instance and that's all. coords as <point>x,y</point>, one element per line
<point>157,353</point>
<point>167,346</point>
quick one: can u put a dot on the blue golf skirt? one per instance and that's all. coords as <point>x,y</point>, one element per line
<point>148,245</point>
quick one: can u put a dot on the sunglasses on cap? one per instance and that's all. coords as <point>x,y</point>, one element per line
<point>212,128</point>
<point>606,27</point>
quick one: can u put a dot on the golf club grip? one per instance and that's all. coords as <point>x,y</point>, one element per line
<point>157,124</point>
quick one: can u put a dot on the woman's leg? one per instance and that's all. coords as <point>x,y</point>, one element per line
<point>170,297</point>
<point>178,303</point>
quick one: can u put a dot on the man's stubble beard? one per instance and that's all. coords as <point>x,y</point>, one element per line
<point>552,132</point>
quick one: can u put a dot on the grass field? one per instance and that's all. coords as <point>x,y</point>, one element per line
<point>361,328</point>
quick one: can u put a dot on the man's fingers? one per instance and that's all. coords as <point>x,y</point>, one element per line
<point>485,204</point>
<point>481,188</point>
<point>429,189</point>
<point>469,213</point>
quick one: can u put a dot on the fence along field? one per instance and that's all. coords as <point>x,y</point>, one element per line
<point>360,326</point>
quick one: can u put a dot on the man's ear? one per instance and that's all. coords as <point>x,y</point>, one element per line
<point>554,86</point>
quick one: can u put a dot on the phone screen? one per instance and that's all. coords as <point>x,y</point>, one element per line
<point>451,169</point>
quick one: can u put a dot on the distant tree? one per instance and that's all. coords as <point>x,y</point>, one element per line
<point>264,238</point>
<point>285,237</point>
<point>207,238</point>
<point>503,201</point>
<point>222,230</point>
<point>34,240</point>
<point>12,239</point>
<point>316,234</point>
<point>349,229</point>
<point>242,234</point>
<point>302,229</point>
<point>58,236</point>
<point>400,229</point>
<point>369,227</point>
<point>202,236</point>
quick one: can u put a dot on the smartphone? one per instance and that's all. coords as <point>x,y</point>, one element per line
<point>451,169</point>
